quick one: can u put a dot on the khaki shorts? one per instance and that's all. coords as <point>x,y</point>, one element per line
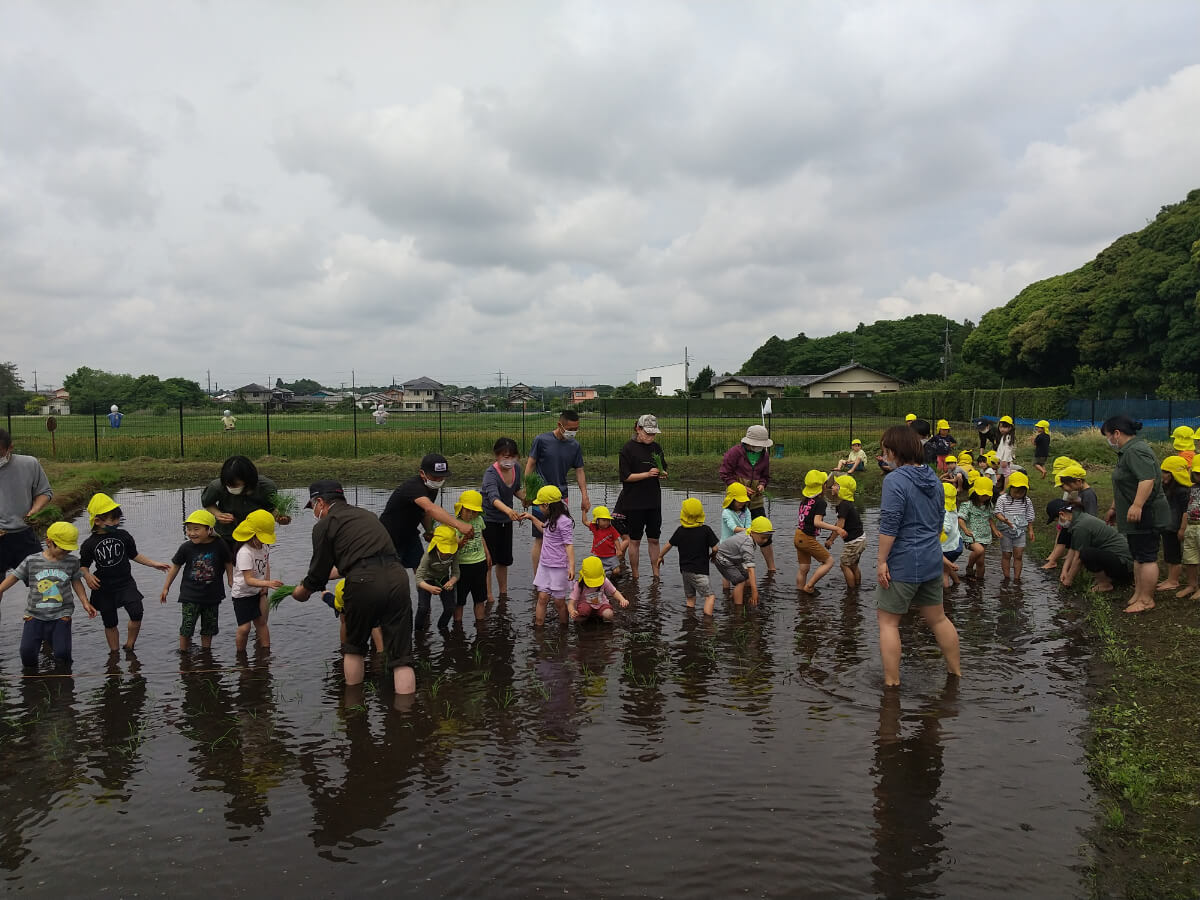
<point>809,548</point>
<point>1191,545</point>
<point>900,596</point>
<point>696,585</point>
<point>853,551</point>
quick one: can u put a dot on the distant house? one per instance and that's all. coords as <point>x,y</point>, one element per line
<point>520,393</point>
<point>578,395</point>
<point>254,394</point>
<point>58,403</point>
<point>423,394</point>
<point>372,400</point>
<point>667,379</point>
<point>853,380</point>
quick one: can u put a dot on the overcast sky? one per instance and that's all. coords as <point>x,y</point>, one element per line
<point>558,191</point>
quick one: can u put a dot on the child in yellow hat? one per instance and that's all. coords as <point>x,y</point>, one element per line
<point>51,576</point>
<point>1041,445</point>
<point>942,443</point>
<point>695,541</point>
<point>734,558</point>
<point>202,559</point>
<point>109,549</point>
<point>854,540</point>
<point>1177,485</point>
<point>1015,511</point>
<point>1006,449</point>
<point>606,540</point>
<point>437,574</point>
<point>735,515</point>
<point>1189,533</point>
<point>252,577</point>
<point>811,520</point>
<point>1183,440</point>
<point>474,559</point>
<point>855,461</point>
<point>592,593</point>
<point>1072,478</point>
<point>976,521</point>
<point>952,542</point>
<point>556,562</point>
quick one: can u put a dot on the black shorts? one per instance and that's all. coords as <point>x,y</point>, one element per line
<point>1143,545</point>
<point>1040,461</point>
<point>107,604</point>
<point>1103,561</point>
<point>1172,548</point>
<point>472,579</point>
<point>247,609</point>
<point>639,521</point>
<point>499,539</point>
<point>377,595</point>
<point>15,546</point>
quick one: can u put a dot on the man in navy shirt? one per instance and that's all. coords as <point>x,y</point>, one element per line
<point>552,455</point>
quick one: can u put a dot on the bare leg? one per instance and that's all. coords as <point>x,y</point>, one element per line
<point>206,641</point>
<point>652,545</point>
<point>635,552</point>
<point>404,679</point>
<point>739,593</point>
<point>768,553</point>
<point>261,632</point>
<point>539,613</point>
<point>560,604</point>
<point>822,571</point>
<point>946,635</point>
<point>353,668</point>
<point>709,603</point>
<point>1172,581</point>
<point>889,646</point>
<point>185,642</point>
<point>536,553</point>
<point>1005,564</point>
<point>242,638</point>
<point>131,634</point>
<point>113,637</point>
<point>1193,573</point>
<point>1145,575</point>
<point>1018,561</point>
<point>376,638</point>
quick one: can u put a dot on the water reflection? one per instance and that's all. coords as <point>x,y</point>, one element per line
<point>119,725</point>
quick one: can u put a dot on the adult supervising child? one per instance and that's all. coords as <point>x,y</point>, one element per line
<point>695,542</point>
<point>552,455</point>
<point>412,507</point>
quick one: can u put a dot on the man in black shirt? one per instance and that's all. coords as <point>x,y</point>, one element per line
<point>412,506</point>
<point>353,541</point>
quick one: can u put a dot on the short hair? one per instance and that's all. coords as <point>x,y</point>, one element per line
<point>920,426</point>
<point>905,445</point>
<point>239,468</point>
<point>1121,423</point>
<point>569,415</point>
<point>506,446</point>
<point>5,438</point>
<point>115,511</point>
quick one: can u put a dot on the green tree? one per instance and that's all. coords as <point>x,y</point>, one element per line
<point>632,391</point>
<point>703,380</point>
<point>12,390</point>
<point>34,404</point>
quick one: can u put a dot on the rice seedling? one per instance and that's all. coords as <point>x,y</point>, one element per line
<point>660,464</point>
<point>283,504</point>
<point>532,483</point>
<point>280,594</point>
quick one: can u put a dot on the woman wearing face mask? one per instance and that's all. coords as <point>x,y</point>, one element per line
<point>1139,509</point>
<point>749,463</point>
<point>641,493</point>
<point>237,492</point>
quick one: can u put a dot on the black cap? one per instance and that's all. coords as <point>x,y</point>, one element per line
<point>1055,507</point>
<point>324,489</point>
<point>435,466</point>
<point>983,423</point>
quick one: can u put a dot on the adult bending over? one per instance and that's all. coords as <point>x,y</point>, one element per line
<point>749,463</point>
<point>910,553</point>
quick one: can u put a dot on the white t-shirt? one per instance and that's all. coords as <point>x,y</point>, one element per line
<point>253,559</point>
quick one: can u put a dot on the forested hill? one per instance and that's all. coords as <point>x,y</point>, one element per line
<point>910,349</point>
<point>1129,319</point>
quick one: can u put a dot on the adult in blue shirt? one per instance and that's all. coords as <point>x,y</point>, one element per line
<point>552,455</point>
<point>910,554</point>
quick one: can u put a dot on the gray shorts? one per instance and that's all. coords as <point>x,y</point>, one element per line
<point>1012,539</point>
<point>695,585</point>
<point>900,596</point>
<point>731,571</point>
<point>610,563</point>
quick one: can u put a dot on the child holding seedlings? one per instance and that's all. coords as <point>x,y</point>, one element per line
<point>734,558</point>
<point>975,521</point>
<point>854,540</point>
<point>474,559</point>
<point>695,541</point>
<point>556,562</point>
<point>735,515</point>
<point>1015,510</point>
<point>855,461</point>
<point>1041,445</point>
<point>952,543</point>
<point>51,576</point>
<point>252,578</point>
<point>109,549</point>
<point>501,485</point>
<point>590,595</point>
<point>206,564</point>
<point>605,539</point>
<point>1190,531</point>
<point>436,575</point>
<point>811,519</point>
<point>1177,485</point>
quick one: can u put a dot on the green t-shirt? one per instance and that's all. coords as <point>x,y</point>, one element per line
<point>1136,463</point>
<point>471,550</point>
<point>1088,531</point>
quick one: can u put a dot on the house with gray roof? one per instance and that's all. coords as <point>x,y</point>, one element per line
<point>852,380</point>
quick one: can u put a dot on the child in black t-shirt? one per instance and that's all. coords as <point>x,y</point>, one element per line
<point>695,541</point>
<point>811,519</point>
<point>109,550</point>
<point>1041,445</point>
<point>202,558</point>
<point>848,519</point>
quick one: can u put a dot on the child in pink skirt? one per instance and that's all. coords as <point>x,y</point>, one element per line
<point>556,564</point>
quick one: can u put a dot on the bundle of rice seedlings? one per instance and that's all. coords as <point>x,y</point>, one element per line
<point>533,482</point>
<point>659,463</point>
<point>283,504</point>
<point>279,594</point>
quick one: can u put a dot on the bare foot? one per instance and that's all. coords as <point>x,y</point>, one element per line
<point>1167,586</point>
<point>1102,588</point>
<point>1049,565</point>
<point>1186,592</point>
<point>1140,607</point>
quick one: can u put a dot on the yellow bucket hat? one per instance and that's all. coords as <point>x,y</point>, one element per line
<point>548,494</point>
<point>846,486</point>
<point>951,496</point>
<point>1179,469</point>
<point>1006,420</point>
<point>99,505</point>
<point>814,482</point>
<point>992,458</point>
<point>735,493</point>
<point>972,476</point>
<point>855,441</point>
<point>64,535</point>
<point>1018,480</point>
<point>201,517</point>
<point>1075,470</point>
<point>259,524</point>
<point>943,425</point>
<point>1042,424</point>
<point>691,514</point>
<point>444,539</point>
<point>1183,438</point>
<point>591,570</point>
<point>601,512</point>
<point>911,417</point>
<point>951,458</point>
<point>472,500</point>
<point>339,596</point>
<point>983,487</point>
<point>761,525</point>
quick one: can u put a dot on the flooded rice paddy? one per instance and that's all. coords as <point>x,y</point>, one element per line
<point>666,756</point>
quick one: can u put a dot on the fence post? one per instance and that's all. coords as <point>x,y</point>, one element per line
<point>523,444</point>
<point>267,410</point>
<point>95,433</point>
<point>354,419</point>
<point>1170,415</point>
<point>687,428</point>
<point>1013,407</point>
<point>604,413</point>
<point>851,421</point>
<point>441,448</point>
<point>1093,412</point>
<point>181,429</point>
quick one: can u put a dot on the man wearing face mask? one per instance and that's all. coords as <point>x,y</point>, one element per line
<point>552,455</point>
<point>1095,546</point>
<point>24,490</point>
<point>413,506</point>
<point>237,492</point>
<point>352,541</point>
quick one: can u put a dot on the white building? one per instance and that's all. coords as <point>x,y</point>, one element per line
<point>668,379</point>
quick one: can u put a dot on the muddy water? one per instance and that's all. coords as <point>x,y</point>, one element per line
<point>663,756</point>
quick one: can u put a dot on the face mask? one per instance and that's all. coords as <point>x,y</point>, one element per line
<point>109,529</point>
<point>570,435</point>
<point>5,460</point>
<point>1065,523</point>
<point>507,463</point>
<point>431,484</point>
<point>235,490</point>
<point>1113,443</point>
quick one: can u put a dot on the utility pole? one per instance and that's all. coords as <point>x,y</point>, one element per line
<point>35,390</point>
<point>208,374</point>
<point>946,354</point>
<point>686,381</point>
